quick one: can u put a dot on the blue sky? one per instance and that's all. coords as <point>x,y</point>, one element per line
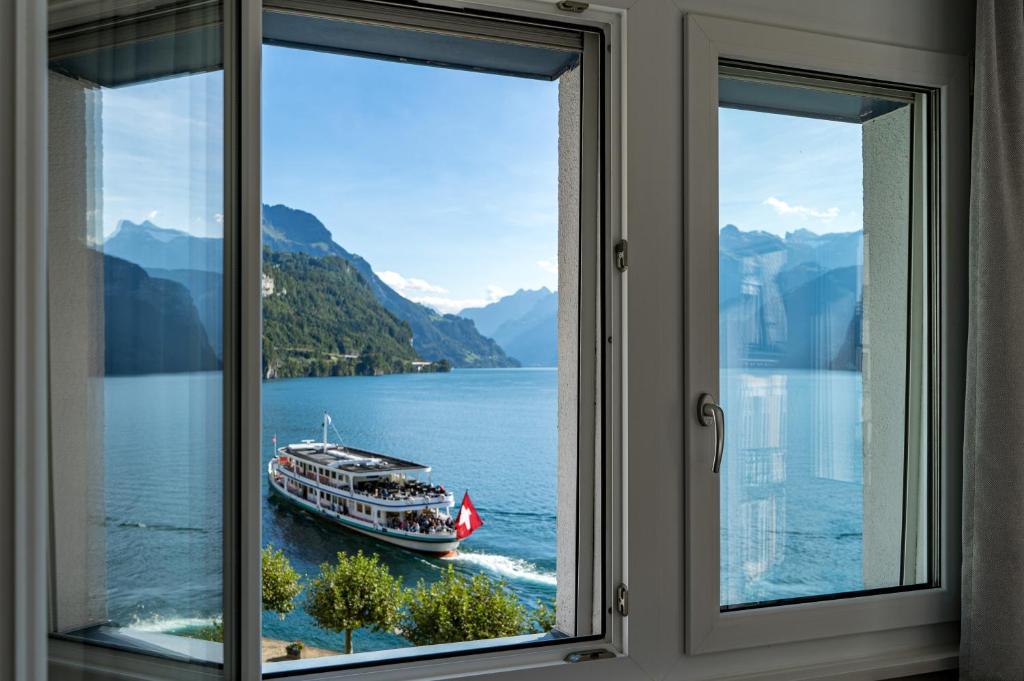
<point>445,180</point>
<point>783,173</point>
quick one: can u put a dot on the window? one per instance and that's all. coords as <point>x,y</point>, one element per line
<point>136,382</point>
<point>817,361</point>
<point>823,339</point>
<point>421,288</point>
<point>461,152</point>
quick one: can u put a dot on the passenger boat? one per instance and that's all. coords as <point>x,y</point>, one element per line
<point>373,494</point>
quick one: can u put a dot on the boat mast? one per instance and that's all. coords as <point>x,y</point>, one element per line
<point>327,419</point>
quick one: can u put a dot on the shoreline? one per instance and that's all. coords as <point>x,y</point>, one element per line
<point>274,651</point>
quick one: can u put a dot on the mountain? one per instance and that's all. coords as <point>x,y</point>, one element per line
<point>323,319</point>
<point>207,290</point>
<point>515,306</point>
<point>196,262</point>
<point>792,301</point>
<point>525,324</point>
<point>149,246</point>
<point>150,324</point>
<point>435,336</point>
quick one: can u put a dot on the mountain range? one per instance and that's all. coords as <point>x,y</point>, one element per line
<point>196,263</point>
<point>790,302</point>
<point>525,324</point>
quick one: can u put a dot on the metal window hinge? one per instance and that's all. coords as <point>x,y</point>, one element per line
<point>622,600</point>
<point>572,6</point>
<point>588,655</point>
<point>622,256</point>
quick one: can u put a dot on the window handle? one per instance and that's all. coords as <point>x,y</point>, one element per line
<point>708,413</point>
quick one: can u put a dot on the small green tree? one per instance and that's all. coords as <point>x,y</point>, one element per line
<point>543,617</point>
<point>213,632</point>
<point>458,608</point>
<point>280,582</point>
<point>357,592</point>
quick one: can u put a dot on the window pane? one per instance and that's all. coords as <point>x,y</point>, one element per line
<point>135,263</point>
<point>821,329</point>
<point>419,333</point>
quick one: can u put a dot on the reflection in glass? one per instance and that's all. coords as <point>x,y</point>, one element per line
<point>815,339</point>
<point>135,264</point>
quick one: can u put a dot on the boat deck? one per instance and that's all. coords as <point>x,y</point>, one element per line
<point>350,460</point>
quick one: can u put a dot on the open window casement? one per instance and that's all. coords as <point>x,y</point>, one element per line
<point>822,340</point>
<point>158,363</point>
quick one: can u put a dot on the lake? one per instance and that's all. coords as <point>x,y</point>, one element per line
<point>490,431</point>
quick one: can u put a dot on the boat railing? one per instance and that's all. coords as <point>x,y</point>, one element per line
<point>397,498</point>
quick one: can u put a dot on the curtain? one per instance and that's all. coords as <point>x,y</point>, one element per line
<point>992,618</point>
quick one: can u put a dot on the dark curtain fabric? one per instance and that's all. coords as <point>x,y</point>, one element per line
<point>992,620</point>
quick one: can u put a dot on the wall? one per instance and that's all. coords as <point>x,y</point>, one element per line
<point>886,154</point>
<point>568,342</point>
<point>8,187</point>
<point>76,353</point>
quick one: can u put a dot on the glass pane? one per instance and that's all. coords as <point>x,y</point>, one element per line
<point>135,263</point>
<point>820,343</point>
<point>414,313</point>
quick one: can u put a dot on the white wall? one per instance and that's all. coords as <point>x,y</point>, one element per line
<point>76,353</point>
<point>886,154</point>
<point>568,343</point>
<point>7,217</point>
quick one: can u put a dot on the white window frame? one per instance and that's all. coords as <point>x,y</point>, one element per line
<point>648,643</point>
<point>601,227</point>
<point>707,40</point>
<point>604,312</point>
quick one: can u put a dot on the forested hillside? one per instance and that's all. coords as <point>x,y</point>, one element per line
<point>323,320</point>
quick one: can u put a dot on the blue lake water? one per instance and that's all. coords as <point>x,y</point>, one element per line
<point>490,431</point>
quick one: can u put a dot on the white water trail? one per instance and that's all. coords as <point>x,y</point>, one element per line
<point>510,568</point>
<point>163,625</point>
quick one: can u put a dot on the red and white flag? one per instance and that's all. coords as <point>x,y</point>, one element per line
<point>468,519</point>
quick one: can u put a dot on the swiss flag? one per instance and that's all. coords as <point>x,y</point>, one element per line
<point>468,519</point>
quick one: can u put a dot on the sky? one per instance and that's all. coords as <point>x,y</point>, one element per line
<point>446,181</point>
<point>782,173</point>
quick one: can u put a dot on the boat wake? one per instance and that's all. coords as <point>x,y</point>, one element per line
<point>511,568</point>
<point>169,625</point>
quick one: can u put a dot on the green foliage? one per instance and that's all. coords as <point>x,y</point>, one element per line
<point>214,632</point>
<point>458,608</point>
<point>324,320</point>
<point>543,617</point>
<point>355,593</point>
<point>280,582</point>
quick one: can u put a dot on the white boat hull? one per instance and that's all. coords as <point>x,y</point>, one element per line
<point>430,544</point>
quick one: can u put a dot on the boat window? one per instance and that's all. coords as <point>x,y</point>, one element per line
<point>428,287</point>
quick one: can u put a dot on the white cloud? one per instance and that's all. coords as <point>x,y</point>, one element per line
<point>549,266</point>
<point>218,218</point>
<point>409,285</point>
<point>421,291</point>
<point>783,208</point>
<point>151,215</point>
<point>495,293</point>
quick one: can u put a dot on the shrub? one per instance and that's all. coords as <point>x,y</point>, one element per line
<point>355,593</point>
<point>458,608</point>
<point>280,582</point>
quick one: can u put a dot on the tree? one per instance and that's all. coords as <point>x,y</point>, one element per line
<point>280,582</point>
<point>357,592</point>
<point>213,632</point>
<point>458,608</point>
<point>543,617</point>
